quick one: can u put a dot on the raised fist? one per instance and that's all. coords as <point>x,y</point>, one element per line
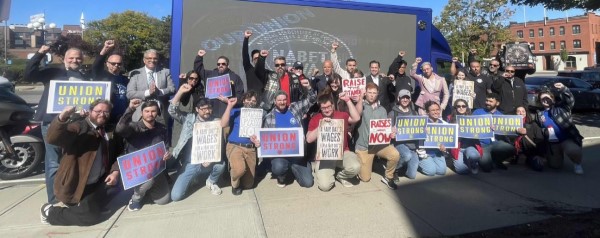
<point>109,44</point>
<point>44,49</point>
<point>454,59</point>
<point>334,45</point>
<point>134,103</point>
<point>315,72</point>
<point>401,53</point>
<point>418,60</point>
<point>201,53</point>
<point>247,33</point>
<point>185,88</point>
<point>264,53</point>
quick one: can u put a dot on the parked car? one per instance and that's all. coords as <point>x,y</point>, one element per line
<point>590,76</point>
<point>586,96</point>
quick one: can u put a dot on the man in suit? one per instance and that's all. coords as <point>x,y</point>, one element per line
<point>151,82</point>
<point>384,84</point>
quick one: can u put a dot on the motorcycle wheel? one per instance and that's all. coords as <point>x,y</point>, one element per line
<point>29,155</point>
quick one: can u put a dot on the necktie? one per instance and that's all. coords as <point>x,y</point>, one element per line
<point>150,77</point>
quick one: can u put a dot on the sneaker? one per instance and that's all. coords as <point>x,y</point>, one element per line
<point>214,189</point>
<point>44,212</point>
<point>389,182</point>
<point>344,182</point>
<point>396,179</point>
<point>236,191</point>
<point>281,182</point>
<point>500,165</point>
<point>474,166</point>
<point>134,206</point>
<point>578,169</point>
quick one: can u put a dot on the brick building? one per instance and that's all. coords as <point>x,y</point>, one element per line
<point>578,35</point>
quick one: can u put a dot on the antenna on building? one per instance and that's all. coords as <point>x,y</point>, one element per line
<point>567,14</point>
<point>524,16</point>
<point>545,18</point>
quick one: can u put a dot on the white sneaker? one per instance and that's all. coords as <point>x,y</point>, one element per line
<point>578,169</point>
<point>44,212</point>
<point>344,182</point>
<point>214,189</point>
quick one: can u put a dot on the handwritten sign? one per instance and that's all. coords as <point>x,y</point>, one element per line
<point>477,127</point>
<point>379,131</point>
<point>206,146</point>
<point>140,166</point>
<point>281,142</point>
<point>79,94</point>
<point>411,128</point>
<point>353,86</point>
<point>219,85</point>
<point>507,124</point>
<point>438,133</point>
<point>463,89</point>
<point>330,143</point>
<point>250,121</point>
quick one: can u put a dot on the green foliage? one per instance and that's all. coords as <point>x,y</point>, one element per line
<point>14,72</point>
<point>590,5</point>
<point>134,33</point>
<point>475,24</point>
<point>564,55</point>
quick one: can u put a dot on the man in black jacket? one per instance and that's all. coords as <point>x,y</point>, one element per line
<point>112,73</point>
<point>280,79</point>
<point>237,86</point>
<point>33,73</point>
<point>512,91</point>
<point>398,71</point>
<point>252,81</point>
<point>385,85</point>
<point>320,82</point>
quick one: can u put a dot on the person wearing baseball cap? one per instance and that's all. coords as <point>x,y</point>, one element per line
<point>407,149</point>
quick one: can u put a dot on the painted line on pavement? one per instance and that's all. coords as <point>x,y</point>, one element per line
<point>10,182</point>
<point>591,138</point>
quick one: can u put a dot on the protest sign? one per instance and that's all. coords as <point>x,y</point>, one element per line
<point>353,86</point>
<point>476,127</point>
<point>438,133</point>
<point>507,124</point>
<point>281,142</point>
<point>250,121</point>
<point>411,128</point>
<point>463,89</point>
<point>330,143</point>
<point>219,85</point>
<point>79,94</point>
<point>206,144</point>
<point>140,166</point>
<point>379,131</point>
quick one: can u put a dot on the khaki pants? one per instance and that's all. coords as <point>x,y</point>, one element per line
<point>366,161</point>
<point>325,170</point>
<point>242,165</point>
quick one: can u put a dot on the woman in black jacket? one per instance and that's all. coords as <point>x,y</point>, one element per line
<point>530,144</point>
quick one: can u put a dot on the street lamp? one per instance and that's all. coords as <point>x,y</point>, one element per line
<point>39,24</point>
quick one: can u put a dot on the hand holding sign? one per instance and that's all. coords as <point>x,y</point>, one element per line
<point>255,140</point>
<point>167,155</point>
<point>112,178</point>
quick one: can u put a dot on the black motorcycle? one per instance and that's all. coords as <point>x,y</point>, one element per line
<point>21,146</point>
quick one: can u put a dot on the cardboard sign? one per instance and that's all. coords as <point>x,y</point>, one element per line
<point>250,121</point>
<point>379,131</point>
<point>411,128</point>
<point>463,89</point>
<point>140,166</point>
<point>281,142</point>
<point>507,124</point>
<point>219,85</point>
<point>438,133</point>
<point>476,127</point>
<point>206,144</point>
<point>353,86</point>
<point>79,94</point>
<point>330,143</point>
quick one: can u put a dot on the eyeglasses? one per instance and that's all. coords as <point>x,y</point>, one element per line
<point>219,64</point>
<point>106,113</point>
<point>509,71</point>
<point>279,65</point>
<point>327,107</point>
<point>114,63</point>
<point>193,78</point>
<point>461,106</point>
<point>494,65</point>
<point>150,58</point>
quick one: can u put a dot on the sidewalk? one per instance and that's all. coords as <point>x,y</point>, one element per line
<point>427,206</point>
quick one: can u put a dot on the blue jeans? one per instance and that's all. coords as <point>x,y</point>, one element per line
<point>467,158</point>
<point>496,152</point>
<point>51,162</point>
<point>190,172</point>
<point>281,166</point>
<point>410,158</point>
<point>432,165</point>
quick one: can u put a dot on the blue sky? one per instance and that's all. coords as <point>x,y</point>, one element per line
<point>69,11</point>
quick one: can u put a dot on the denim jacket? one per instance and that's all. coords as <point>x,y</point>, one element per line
<point>187,120</point>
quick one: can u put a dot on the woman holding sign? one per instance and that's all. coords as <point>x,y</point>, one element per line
<point>433,161</point>
<point>469,151</point>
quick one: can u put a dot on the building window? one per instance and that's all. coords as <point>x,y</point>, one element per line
<point>532,45</point>
<point>576,44</point>
<point>540,32</point>
<point>576,29</point>
<point>552,45</point>
<point>561,31</point>
<point>531,33</point>
<point>520,34</point>
<point>541,45</point>
<point>562,44</point>
<point>551,31</point>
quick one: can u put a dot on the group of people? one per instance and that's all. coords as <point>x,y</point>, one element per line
<point>81,147</point>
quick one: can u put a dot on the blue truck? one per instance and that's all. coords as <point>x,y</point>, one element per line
<point>303,31</point>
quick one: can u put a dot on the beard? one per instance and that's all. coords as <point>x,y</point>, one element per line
<point>250,104</point>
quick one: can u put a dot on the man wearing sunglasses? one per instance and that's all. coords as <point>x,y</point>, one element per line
<point>512,91</point>
<point>237,86</point>
<point>493,71</point>
<point>112,73</point>
<point>483,83</point>
<point>280,79</point>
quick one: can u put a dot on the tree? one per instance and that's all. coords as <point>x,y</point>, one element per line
<point>478,24</point>
<point>134,33</point>
<point>561,5</point>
